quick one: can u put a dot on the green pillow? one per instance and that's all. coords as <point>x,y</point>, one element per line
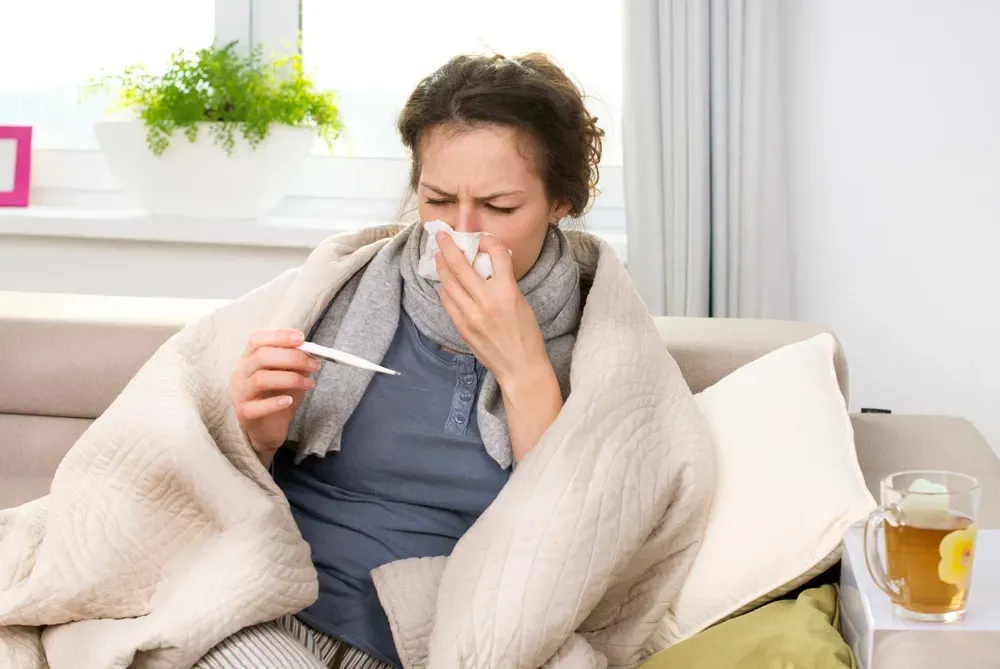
<point>787,634</point>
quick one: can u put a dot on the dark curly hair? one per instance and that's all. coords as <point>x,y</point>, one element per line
<point>529,93</point>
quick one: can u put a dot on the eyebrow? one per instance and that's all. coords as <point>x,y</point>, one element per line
<point>485,198</point>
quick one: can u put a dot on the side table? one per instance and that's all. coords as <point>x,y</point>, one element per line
<point>881,640</point>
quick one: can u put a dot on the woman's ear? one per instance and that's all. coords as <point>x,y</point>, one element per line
<point>558,212</point>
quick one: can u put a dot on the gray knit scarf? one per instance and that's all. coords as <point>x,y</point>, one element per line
<point>363,316</point>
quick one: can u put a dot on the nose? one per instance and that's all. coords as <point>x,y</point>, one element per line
<point>468,218</point>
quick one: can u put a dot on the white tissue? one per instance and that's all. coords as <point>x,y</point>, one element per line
<point>467,241</point>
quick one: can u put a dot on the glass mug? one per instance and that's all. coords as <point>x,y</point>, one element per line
<point>928,521</point>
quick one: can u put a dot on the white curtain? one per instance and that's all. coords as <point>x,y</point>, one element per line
<point>708,232</point>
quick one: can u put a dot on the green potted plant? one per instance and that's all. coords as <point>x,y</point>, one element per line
<point>219,134</point>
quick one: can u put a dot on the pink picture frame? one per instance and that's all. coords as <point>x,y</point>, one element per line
<point>15,194</point>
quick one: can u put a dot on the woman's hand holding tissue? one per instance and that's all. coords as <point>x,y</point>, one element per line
<point>500,328</point>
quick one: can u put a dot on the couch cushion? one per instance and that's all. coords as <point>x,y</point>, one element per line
<point>788,483</point>
<point>791,633</point>
<point>71,355</point>
<point>31,448</point>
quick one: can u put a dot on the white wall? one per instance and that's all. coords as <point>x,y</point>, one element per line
<point>893,121</point>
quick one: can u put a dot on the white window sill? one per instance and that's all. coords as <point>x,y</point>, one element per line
<point>137,226</point>
<point>133,225</point>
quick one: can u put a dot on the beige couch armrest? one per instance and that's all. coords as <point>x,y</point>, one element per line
<point>891,443</point>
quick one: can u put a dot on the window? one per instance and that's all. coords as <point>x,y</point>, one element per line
<point>49,48</point>
<point>373,58</point>
<point>371,54</point>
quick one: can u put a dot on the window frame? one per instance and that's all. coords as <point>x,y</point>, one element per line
<point>332,187</point>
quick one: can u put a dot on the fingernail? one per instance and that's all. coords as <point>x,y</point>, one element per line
<point>314,365</point>
<point>285,400</point>
<point>310,383</point>
<point>297,338</point>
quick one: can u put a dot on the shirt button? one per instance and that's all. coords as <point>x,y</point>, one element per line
<point>466,396</point>
<point>469,379</point>
<point>460,420</point>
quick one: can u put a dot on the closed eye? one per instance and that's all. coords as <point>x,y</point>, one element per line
<point>491,207</point>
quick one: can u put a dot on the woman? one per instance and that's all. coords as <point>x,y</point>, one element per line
<point>502,146</point>
<point>165,542</point>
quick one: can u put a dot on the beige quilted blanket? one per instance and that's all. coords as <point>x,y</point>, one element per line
<point>163,534</point>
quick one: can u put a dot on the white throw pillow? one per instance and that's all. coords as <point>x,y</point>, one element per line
<point>789,483</point>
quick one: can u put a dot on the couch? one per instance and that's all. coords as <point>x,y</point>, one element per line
<point>64,358</point>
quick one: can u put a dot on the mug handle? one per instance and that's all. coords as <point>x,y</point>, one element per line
<point>873,558</point>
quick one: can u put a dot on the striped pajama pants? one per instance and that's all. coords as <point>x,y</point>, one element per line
<point>286,644</point>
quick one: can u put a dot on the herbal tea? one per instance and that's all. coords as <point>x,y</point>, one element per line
<point>923,560</point>
<point>931,562</point>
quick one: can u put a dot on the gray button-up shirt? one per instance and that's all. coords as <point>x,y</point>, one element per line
<point>411,477</point>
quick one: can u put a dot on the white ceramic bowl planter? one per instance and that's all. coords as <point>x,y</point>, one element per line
<point>199,179</point>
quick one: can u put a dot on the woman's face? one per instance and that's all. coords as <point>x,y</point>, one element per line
<point>485,180</point>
